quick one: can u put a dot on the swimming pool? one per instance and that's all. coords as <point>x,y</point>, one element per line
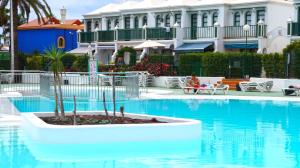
<point>235,133</point>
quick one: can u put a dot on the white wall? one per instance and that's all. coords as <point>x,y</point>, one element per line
<point>276,16</point>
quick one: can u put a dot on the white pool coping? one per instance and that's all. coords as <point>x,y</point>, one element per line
<point>161,94</point>
<point>174,128</point>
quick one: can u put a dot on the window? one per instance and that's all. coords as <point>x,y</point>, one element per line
<point>260,15</point>
<point>61,42</point>
<point>88,26</point>
<point>194,21</point>
<point>248,18</point>
<point>136,22</point>
<point>214,18</point>
<point>167,21</point>
<point>96,25</point>
<point>127,23</point>
<point>157,21</point>
<point>178,18</point>
<point>237,19</point>
<point>116,22</point>
<point>145,20</point>
<point>204,20</point>
<point>108,24</point>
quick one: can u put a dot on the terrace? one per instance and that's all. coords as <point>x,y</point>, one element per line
<point>127,35</point>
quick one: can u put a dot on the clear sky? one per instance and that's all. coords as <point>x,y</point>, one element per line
<point>76,8</point>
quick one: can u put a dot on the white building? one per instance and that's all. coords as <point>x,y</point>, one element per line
<point>202,25</point>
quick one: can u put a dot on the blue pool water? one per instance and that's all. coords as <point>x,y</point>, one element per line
<point>235,133</point>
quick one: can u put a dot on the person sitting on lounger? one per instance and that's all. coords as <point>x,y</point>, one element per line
<point>194,82</point>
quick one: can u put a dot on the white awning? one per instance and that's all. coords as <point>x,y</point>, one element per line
<point>80,50</point>
<point>150,44</point>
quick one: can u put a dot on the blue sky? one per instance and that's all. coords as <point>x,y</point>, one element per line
<point>76,8</point>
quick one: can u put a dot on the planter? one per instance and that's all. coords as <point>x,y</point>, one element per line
<point>173,129</point>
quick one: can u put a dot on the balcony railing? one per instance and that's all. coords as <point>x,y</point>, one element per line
<point>87,37</point>
<point>160,33</point>
<point>235,32</point>
<point>191,33</point>
<point>227,32</point>
<point>294,29</point>
<point>128,35</point>
<point>106,36</point>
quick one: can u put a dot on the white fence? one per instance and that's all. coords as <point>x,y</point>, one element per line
<point>127,84</point>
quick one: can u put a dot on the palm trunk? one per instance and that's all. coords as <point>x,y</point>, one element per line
<point>14,47</point>
<point>56,96</point>
<point>62,109</point>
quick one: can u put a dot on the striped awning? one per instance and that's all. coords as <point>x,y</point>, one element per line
<point>194,47</point>
<point>241,45</point>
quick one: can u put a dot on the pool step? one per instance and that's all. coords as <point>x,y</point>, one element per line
<point>233,82</point>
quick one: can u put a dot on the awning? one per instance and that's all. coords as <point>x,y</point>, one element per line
<point>79,50</point>
<point>194,47</point>
<point>241,45</point>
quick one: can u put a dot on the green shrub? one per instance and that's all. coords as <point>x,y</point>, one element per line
<point>292,51</point>
<point>215,64</point>
<point>190,63</point>
<point>158,58</point>
<point>229,64</point>
<point>81,64</point>
<point>34,62</point>
<point>68,60</point>
<point>132,55</point>
<point>4,64</point>
<point>274,65</point>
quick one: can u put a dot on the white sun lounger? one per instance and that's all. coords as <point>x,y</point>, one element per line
<point>296,91</point>
<point>254,86</point>
<point>221,89</point>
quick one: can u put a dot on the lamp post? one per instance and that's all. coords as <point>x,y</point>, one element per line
<point>12,42</point>
<point>246,29</point>
<point>145,31</point>
<point>116,32</point>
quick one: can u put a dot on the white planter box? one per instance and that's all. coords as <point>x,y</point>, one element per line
<point>175,129</point>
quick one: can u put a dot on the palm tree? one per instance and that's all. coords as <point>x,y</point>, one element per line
<point>24,8</point>
<point>55,56</point>
<point>4,16</point>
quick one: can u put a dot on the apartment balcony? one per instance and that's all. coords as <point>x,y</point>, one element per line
<point>293,29</point>
<point>237,32</point>
<point>127,35</point>
<point>193,33</point>
<point>227,32</point>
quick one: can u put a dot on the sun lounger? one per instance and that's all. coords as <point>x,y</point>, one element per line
<point>254,86</point>
<point>171,82</point>
<point>248,86</point>
<point>265,86</point>
<point>223,89</point>
<point>291,91</point>
<point>182,83</point>
<point>209,89</point>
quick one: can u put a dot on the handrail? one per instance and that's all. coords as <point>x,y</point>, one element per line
<point>198,32</point>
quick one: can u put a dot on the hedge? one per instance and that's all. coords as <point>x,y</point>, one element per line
<point>157,58</point>
<point>292,51</point>
<point>81,64</point>
<point>230,64</point>
<point>274,65</point>
<point>190,63</point>
<point>68,60</point>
